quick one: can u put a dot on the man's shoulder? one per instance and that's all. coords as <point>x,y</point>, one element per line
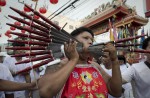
<point>2,66</point>
<point>138,65</point>
<point>8,58</point>
<point>55,65</point>
<point>3,69</point>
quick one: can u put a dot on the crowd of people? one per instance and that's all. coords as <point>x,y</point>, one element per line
<point>77,76</point>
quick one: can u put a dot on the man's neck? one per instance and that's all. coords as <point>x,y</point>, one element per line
<point>108,67</point>
<point>82,62</point>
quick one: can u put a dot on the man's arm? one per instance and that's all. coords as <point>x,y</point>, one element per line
<point>52,83</point>
<point>6,85</point>
<point>55,67</point>
<point>28,80</point>
<point>114,83</point>
<point>27,77</point>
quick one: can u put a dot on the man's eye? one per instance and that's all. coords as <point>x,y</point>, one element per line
<point>85,37</point>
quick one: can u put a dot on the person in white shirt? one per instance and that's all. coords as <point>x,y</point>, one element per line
<point>34,74</point>
<point>139,74</point>
<point>10,63</point>
<point>127,88</point>
<point>7,82</point>
<point>5,75</point>
<point>128,92</point>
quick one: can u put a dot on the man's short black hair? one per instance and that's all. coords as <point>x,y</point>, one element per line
<point>145,43</point>
<point>121,57</point>
<point>18,44</point>
<point>81,30</point>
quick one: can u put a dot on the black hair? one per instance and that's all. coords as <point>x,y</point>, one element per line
<point>18,44</point>
<point>81,30</point>
<point>121,57</point>
<point>145,43</point>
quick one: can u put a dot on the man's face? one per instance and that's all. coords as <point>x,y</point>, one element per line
<point>86,38</point>
<point>148,48</point>
<point>106,60</point>
<point>19,51</point>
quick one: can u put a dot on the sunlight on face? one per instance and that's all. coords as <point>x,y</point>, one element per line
<point>106,60</point>
<point>86,38</point>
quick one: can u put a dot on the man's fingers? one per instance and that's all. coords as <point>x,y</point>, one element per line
<point>65,46</point>
<point>69,45</point>
<point>74,44</point>
<point>106,49</point>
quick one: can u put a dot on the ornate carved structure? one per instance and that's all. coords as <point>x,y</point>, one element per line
<point>122,17</point>
<point>118,12</point>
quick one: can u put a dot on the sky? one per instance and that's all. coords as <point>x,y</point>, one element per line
<point>84,8</point>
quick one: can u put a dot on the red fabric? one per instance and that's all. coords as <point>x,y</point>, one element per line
<point>85,83</point>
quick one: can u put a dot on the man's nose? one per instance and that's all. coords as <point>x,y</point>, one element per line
<point>90,41</point>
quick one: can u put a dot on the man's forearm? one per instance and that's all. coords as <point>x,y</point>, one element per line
<point>55,81</point>
<point>28,80</point>
<point>116,80</point>
<point>6,85</point>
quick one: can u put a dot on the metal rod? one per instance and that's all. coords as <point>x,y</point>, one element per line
<point>26,48</point>
<point>35,66</point>
<point>30,42</point>
<point>32,53</point>
<point>29,17</point>
<point>40,33</point>
<point>31,36</point>
<point>47,56</point>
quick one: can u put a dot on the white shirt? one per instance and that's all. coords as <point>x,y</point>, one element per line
<point>5,75</point>
<point>140,74</point>
<point>127,86</point>
<point>10,63</point>
<point>34,74</point>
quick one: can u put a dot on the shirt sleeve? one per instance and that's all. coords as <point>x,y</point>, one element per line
<point>9,63</point>
<point>128,75</point>
<point>5,62</point>
<point>6,76</point>
<point>9,77</point>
